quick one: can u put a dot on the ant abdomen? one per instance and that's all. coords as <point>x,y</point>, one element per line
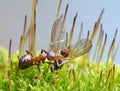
<point>25,61</point>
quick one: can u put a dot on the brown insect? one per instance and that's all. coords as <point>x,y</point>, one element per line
<point>62,50</point>
<point>27,60</point>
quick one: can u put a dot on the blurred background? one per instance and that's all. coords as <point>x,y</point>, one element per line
<point>12,13</point>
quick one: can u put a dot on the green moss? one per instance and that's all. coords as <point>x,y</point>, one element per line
<point>80,74</point>
<point>87,78</point>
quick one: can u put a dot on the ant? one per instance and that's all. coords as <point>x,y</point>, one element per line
<point>27,60</point>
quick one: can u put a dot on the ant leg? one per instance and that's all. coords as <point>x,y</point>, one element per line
<point>38,66</point>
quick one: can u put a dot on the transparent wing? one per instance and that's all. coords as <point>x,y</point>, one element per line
<point>57,36</point>
<point>80,48</point>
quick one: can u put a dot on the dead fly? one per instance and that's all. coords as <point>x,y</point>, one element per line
<point>70,52</point>
<point>60,50</point>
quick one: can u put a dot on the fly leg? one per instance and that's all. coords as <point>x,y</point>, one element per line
<point>60,64</point>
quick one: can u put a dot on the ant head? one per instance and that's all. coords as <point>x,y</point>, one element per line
<point>25,61</point>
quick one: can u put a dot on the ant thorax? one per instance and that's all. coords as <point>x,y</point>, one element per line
<point>43,54</point>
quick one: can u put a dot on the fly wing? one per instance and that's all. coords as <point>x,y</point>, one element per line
<point>81,47</point>
<point>57,36</point>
